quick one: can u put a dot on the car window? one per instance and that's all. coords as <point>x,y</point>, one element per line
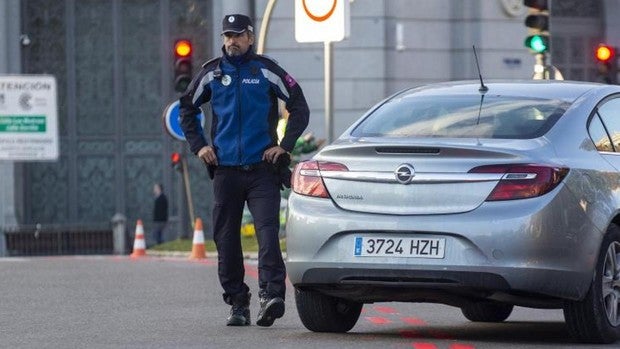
<point>599,135</point>
<point>610,114</point>
<point>462,116</point>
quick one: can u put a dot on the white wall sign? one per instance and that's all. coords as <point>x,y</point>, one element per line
<point>28,118</point>
<point>322,20</point>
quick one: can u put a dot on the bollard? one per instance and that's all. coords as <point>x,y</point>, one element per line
<point>119,224</point>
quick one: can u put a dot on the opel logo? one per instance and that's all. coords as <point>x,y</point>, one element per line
<point>404,173</point>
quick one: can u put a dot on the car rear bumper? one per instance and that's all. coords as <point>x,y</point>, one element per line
<point>536,288</point>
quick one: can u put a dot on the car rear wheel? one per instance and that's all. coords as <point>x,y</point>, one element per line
<point>487,311</point>
<point>322,313</point>
<point>596,318</point>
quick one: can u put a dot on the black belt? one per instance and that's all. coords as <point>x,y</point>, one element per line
<point>246,168</point>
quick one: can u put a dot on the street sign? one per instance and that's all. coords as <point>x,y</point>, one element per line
<point>28,118</point>
<point>322,20</point>
<point>172,122</point>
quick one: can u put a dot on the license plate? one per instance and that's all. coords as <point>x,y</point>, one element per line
<point>400,247</point>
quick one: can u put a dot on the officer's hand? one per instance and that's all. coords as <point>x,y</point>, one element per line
<point>272,154</point>
<point>207,154</point>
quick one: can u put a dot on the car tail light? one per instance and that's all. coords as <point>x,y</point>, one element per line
<point>523,180</point>
<point>307,178</point>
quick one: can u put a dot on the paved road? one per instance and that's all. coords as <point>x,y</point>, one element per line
<point>116,302</point>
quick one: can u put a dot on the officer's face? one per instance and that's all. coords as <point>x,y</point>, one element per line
<point>237,44</point>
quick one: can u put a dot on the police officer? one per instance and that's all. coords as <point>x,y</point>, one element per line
<point>243,89</point>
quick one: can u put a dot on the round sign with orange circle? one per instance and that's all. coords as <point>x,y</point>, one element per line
<point>319,17</point>
<point>321,20</point>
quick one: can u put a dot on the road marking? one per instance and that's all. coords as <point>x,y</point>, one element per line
<point>251,270</point>
<point>414,321</point>
<point>385,310</point>
<point>461,346</point>
<point>377,320</point>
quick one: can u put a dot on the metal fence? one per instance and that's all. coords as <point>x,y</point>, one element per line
<point>46,240</point>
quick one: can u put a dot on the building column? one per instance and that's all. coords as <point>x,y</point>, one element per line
<point>9,64</point>
<point>612,25</point>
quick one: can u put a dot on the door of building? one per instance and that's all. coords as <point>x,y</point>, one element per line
<point>113,63</point>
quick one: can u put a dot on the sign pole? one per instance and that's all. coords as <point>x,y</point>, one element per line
<point>172,126</point>
<point>188,192</point>
<point>328,84</point>
<point>324,21</point>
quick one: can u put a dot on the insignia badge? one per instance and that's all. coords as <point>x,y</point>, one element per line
<point>404,173</point>
<point>231,19</point>
<point>226,80</point>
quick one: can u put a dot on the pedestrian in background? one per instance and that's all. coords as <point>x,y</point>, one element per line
<point>160,213</point>
<point>244,158</point>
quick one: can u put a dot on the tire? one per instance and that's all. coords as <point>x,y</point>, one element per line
<point>487,311</point>
<point>591,320</point>
<point>322,313</point>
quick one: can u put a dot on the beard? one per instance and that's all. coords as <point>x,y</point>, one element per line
<point>234,51</point>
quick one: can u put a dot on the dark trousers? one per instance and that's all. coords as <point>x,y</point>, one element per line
<point>259,187</point>
<point>158,231</point>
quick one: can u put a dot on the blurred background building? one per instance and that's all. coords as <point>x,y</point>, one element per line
<point>113,61</point>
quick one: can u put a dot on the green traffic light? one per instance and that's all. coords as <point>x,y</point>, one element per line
<point>537,43</point>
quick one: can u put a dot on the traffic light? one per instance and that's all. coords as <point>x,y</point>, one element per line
<point>175,161</point>
<point>182,65</point>
<point>607,63</point>
<point>537,22</point>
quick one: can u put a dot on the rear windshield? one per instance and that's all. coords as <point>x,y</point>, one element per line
<point>462,116</point>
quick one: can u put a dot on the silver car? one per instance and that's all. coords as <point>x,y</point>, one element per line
<point>478,196</point>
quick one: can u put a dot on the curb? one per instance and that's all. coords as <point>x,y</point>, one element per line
<point>153,253</point>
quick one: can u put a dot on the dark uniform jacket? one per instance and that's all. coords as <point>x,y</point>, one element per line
<point>243,92</point>
<point>160,210</point>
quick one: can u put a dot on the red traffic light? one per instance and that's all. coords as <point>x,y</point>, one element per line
<point>605,53</point>
<point>176,161</point>
<point>183,48</point>
<point>541,5</point>
<point>182,65</point>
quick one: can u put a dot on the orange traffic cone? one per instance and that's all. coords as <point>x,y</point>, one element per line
<point>139,245</point>
<point>198,243</point>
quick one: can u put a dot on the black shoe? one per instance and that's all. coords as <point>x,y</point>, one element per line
<point>240,311</point>
<point>270,310</point>
<point>239,316</point>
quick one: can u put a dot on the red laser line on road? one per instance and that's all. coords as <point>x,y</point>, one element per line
<point>377,320</point>
<point>414,321</point>
<point>251,271</point>
<point>461,346</point>
<point>385,310</point>
<point>411,333</point>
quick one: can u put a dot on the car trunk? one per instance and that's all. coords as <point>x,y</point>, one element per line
<point>434,177</point>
